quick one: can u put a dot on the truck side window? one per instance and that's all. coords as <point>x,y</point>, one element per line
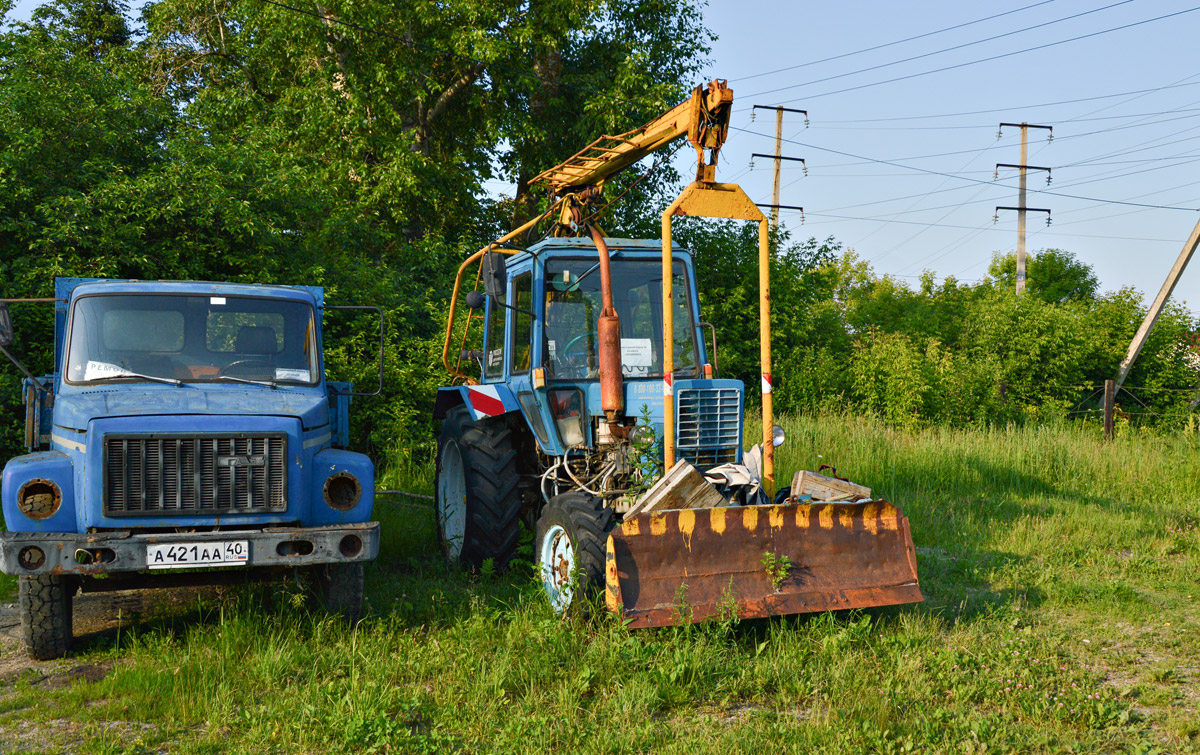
<point>522,332</point>
<point>493,360</point>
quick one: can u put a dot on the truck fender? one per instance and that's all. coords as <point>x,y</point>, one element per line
<point>482,401</point>
<point>49,475</point>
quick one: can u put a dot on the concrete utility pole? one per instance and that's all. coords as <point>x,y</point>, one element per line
<point>1021,209</point>
<point>779,158</point>
<point>1139,339</point>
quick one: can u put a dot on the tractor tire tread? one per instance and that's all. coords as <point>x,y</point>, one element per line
<point>493,496</point>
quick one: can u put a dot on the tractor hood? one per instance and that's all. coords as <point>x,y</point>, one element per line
<point>75,410</point>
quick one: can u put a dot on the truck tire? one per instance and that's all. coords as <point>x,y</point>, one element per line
<point>572,534</point>
<point>46,614</point>
<point>339,587</point>
<point>478,498</point>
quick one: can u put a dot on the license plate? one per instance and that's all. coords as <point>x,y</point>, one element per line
<point>188,555</point>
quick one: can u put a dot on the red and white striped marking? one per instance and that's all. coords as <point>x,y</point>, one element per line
<point>485,400</point>
<point>668,388</point>
<point>766,382</point>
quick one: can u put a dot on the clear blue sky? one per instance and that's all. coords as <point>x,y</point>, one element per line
<point>1137,148</point>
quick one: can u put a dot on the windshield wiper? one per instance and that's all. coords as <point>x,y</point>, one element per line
<point>268,383</point>
<point>123,375</point>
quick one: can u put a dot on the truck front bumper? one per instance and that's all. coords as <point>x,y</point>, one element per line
<point>28,553</point>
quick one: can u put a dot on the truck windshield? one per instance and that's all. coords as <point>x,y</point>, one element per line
<point>572,309</point>
<point>191,339</point>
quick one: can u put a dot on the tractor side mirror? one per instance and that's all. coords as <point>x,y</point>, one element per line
<point>6,328</point>
<point>495,275</point>
<point>474,300</point>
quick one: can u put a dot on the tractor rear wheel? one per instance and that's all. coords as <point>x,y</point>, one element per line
<point>572,533</point>
<point>478,499</point>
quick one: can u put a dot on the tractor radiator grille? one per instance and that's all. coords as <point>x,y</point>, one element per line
<point>242,473</point>
<point>708,425</point>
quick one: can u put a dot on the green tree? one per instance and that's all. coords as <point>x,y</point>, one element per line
<point>1052,275</point>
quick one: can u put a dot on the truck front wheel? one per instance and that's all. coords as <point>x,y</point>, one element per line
<point>340,589</point>
<point>46,615</point>
<point>478,499</point>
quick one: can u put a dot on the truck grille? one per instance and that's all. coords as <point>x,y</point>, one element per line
<point>236,473</point>
<point>708,425</point>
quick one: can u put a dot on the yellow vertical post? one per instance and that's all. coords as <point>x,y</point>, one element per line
<point>764,336</point>
<point>668,318</point>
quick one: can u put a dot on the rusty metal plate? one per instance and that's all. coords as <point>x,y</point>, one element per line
<point>678,566</point>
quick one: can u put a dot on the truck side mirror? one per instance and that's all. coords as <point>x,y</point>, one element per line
<point>495,275</point>
<point>6,328</point>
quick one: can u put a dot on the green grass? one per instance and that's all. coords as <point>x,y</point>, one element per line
<point>1061,615</point>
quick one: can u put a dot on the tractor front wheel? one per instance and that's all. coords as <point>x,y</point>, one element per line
<point>478,499</point>
<point>572,533</point>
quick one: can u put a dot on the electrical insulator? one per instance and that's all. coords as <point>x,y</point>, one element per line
<point>753,113</point>
<point>802,217</point>
<point>805,166</point>
<point>995,218</point>
<point>1049,178</point>
<point>999,134</point>
<point>805,121</point>
<point>996,174</point>
<point>1050,138</point>
<point>1047,221</point>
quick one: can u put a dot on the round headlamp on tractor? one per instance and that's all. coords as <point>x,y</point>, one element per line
<point>342,491</point>
<point>39,498</point>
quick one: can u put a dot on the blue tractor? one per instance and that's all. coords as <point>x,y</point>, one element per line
<point>592,412</point>
<point>186,436</point>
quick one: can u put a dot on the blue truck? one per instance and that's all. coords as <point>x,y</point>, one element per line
<point>186,436</point>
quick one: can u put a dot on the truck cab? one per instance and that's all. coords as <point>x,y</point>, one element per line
<point>187,426</point>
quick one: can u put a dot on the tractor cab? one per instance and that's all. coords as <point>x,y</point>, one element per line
<point>541,345</point>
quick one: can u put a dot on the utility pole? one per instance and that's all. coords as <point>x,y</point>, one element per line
<point>1156,308</point>
<point>778,157</point>
<point>1021,208</point>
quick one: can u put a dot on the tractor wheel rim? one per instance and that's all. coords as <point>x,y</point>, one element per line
<point>452,500</point>
<point>557,562</point>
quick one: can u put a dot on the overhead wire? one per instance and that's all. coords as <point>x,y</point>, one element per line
<point>991,58</point>
<point>939,52</point>
<point>897,42</point>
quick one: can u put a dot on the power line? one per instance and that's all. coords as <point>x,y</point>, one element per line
<point>939,52</point>
<point>1019,107</point>
<point>897,42</point>
<point>965,178</point>
<point>993,57</point>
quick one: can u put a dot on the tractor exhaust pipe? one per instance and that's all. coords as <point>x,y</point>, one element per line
<point>612,397</point>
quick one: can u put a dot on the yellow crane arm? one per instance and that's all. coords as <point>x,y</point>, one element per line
<point>703,118</point>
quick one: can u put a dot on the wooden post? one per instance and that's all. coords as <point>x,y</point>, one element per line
<point>1110,394</point>
<point>1160,301</point>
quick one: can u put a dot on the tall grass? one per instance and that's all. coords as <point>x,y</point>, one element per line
<point>1059,574</point>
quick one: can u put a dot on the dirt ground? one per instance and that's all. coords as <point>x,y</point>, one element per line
<point>97,616</point>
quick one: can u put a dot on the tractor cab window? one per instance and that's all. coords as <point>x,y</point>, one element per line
<point>572,310</point>
<point>192,339</point>
<point>493,356</point>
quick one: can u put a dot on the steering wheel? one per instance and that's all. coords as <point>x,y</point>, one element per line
<point>244,363</point>
<point>566,352</point>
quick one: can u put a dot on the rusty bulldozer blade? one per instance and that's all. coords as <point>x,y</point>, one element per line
<point>674,567</point>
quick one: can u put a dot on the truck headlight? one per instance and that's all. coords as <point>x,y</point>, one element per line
<point>342,491</point>
<point>39,499</point>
